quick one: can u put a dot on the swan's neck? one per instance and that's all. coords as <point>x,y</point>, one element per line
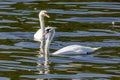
<point>42,45</point>
<point>48,41</point>
<point>47,45</point>
<point>42,24</point>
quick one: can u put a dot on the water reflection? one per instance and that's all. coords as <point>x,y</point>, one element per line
<point>43,68</point>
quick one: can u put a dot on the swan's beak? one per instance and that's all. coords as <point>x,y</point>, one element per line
<point>46,15</point>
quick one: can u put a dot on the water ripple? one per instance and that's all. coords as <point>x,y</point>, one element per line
<point>91,20</point>
<point>79,12</point>
<point>74,76</point>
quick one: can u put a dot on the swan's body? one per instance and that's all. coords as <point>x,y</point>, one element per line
<point>72,49</point>
<point>75,49</point>
<point>39,35</point>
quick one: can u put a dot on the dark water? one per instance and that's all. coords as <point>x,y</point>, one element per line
<point>84,23</point>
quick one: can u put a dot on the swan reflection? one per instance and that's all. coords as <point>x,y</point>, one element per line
<point>43,65</point>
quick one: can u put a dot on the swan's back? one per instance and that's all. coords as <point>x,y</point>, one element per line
<point>75,49</point>
<point>38,35</point>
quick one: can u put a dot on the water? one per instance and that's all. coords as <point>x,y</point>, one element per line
<point>84,23</point>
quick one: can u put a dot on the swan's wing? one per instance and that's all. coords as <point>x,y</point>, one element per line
<point>37,35</point>
<point>75,49</point>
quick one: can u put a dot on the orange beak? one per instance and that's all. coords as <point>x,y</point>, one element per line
<point>46,15</point>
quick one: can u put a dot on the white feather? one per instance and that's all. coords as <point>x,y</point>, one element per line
<point>38,35</point>
<point>75,49</point>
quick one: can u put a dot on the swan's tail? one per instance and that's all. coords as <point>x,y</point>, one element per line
<point>97,48</point>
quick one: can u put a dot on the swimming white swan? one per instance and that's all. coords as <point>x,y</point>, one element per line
<point>72,49</point>
<point>39,35</point>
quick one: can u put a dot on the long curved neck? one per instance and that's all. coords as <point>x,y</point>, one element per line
<point>42,24</point>
<point>42,45</point>
<point>48,41</point>
<point>47,45</point>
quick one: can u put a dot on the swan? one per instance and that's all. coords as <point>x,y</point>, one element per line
<point>71,49</point>
<point>39,35</point>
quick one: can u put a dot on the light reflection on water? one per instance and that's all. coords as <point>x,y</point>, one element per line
<point>83,23</point>
<point>92,20</point>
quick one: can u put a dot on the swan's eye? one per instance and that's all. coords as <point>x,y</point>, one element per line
<point>47,30</point>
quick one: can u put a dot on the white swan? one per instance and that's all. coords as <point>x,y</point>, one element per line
<point>72,49</point>
<point>39,35</point>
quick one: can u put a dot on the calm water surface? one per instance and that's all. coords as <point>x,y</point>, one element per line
<point>84,23</point>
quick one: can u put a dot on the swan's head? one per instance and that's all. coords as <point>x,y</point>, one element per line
<point>49,32</point>
<point>44,13</point>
